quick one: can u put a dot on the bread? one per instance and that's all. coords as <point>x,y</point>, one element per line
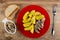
<point>10,11</point>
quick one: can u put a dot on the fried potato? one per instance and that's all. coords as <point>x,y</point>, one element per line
<point>31,21</point>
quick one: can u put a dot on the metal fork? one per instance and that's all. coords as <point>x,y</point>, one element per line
<point>53,24</point>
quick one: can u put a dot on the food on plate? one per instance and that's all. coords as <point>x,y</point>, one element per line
<point>33,21</point>
<point>39,25</point>
<point>25,18</point>
<point>31,28</point>
<point>10,11</point>
<point>32,13</point>
<point>27,24</point>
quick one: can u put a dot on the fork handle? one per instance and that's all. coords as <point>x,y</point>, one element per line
<point>52,31</point>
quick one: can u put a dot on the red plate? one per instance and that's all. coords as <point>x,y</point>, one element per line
<point>20,18</point>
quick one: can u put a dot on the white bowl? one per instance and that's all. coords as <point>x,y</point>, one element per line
<point>5,21</point>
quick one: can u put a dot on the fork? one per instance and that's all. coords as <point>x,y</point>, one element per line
<point>53,24</point>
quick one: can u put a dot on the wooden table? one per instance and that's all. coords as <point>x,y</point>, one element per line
<point>43,3</point>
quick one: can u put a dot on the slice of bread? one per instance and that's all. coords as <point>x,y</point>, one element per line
<point>11,11</point>
<point>13,14</point>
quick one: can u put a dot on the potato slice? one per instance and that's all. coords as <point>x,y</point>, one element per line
<point>27,24</point>
<point>33,20</point>
<point>32,28</point>
<point>37,17</point>
<point>37,13</point>
<point>27,28</point>
<point>32,13</point>
<point>25,16</point>
<point>27,20</point>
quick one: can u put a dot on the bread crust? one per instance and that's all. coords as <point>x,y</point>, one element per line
<point>12,13</point>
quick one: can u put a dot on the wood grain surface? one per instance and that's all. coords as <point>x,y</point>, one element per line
<point>46,4</point>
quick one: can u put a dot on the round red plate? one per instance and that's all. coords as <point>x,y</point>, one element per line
<point>20,18</point>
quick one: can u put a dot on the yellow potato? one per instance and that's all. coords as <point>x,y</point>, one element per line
<point>27,28</point>
<point>32,13</point>
<point>32,28</point>
<point>26,20</point>
<point>33,20</point>
<point>42,16</point>
<point>25,16</point>
<point>37,14</point>
<point>27,24</point>
<point>39,17</point>
<point>29,20</point>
